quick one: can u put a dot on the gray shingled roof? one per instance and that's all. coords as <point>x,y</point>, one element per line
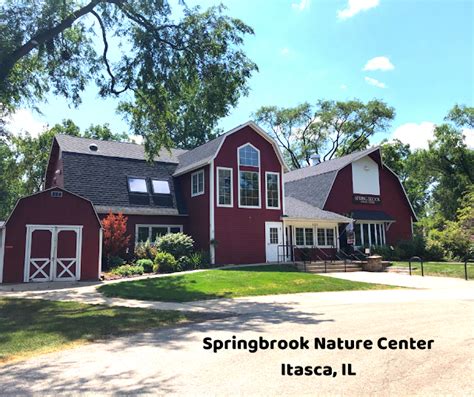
<point>134,151</point>
<point>328,166</point>
<point>295,208</point>
<point>199,156</point>
<point>313,189</point>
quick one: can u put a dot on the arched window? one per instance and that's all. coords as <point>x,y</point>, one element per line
<point>249,156</point>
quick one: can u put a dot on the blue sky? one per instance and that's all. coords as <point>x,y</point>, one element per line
<point>308,50</point>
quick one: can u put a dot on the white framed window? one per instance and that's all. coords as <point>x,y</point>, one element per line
<point>272,190</point>
<point>137,185</point>
<point>160,187</point>
<point>197,183</point>
<point>369,234</point>
<point>249,189</point>
<point>225,190</point>
<point>326,237</point>
<point>304,236</point>
<point>152,232</point>
<point>249,155</point>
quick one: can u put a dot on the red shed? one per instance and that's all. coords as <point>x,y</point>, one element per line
<point>53,235</point>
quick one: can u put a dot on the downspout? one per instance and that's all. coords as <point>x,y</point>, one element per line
<point>212,233</point>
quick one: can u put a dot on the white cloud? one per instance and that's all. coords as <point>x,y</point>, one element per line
<point>343,87</point>
<point>302,5</point>
<point>356,6</point>
<point>285,51</point>
<point>379,63</point>
<point>469,137</point>
<point>375,82</point>
<point>23,121</point>
<point>417,135</point>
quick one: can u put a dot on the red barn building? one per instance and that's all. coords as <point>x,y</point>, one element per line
<point>53,235</point>
<point>233,195</point>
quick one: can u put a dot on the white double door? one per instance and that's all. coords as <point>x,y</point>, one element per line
<point>273,239</point>
<point>52,253</point>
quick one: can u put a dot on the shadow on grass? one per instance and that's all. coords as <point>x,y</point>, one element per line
<point>50,373</point>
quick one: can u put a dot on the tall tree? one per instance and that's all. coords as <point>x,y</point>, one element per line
<point>330,128</point>
<point>177,76</point>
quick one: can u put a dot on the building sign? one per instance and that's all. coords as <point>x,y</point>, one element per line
<point>366,199</point>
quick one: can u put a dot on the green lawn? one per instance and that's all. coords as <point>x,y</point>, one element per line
<point>231,283</point>
<point>30,326</point>
<point>440,269</point>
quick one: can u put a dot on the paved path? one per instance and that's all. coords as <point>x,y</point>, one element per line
<point>173,361</point>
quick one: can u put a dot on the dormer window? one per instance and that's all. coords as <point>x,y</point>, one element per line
<point>249,156</point>
<point>160,187</point>
<point>137,185</point>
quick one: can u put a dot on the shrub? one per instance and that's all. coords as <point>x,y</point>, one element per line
<point>434,251</point>
<point>145,250</point>
<point>115,261</point>
<point>199,260</point>
<point>147,265</point>
<point>176,244</point>
<point>116,238</point>
<point>128,270</point>
<point>165,263</point>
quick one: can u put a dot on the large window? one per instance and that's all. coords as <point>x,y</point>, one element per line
<point>249,156</point>
<point>160,187</point>
<point>224,187</point>
<point>197,183</point>
<point>326,237</point>
<point>273,189</point>
<point>137,185</point>
<point>153,232</point>
<point>304,236</point>
<point>249,191</point>
<point>369,234</point>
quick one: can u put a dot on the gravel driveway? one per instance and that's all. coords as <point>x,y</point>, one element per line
<point>173,361</point>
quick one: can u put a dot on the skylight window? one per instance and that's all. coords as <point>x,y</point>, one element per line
<point>160,187</point>
<point>137,185</point>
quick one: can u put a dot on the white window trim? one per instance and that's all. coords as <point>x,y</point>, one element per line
<point>231,205</point>
<point>304,236</point>
<point>259,191</point>
<point>203,183</point>
<point>266,190</point>
<point>380,229</point>
<point>326,245</point>
<point>238,156</point>
<point>149,226</point>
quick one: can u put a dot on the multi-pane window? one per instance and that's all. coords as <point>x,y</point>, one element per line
<point>153,232</point>
<point>197,183</point>
<point>249,189</point>
<point>273,190</point>
<point>160,187</point>
<point>249,156</point>
<point>224,187</point>
<point>369,234</point>
<point>137,185</point>
<point>273,235</point>
<point>304,236</point>
<point>326,237</point>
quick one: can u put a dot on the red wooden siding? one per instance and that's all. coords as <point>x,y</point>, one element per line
<point>240,232</point>
<point>393,201</point>
<point>42,209</point>
<point>197,209</point>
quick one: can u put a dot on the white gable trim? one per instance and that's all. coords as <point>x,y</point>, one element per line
<point>250,124</point>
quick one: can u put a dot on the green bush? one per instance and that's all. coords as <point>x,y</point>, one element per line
<point>145,250</point>
<point>176,244</point>
<point>115,261</point>
<point>165,263</point>
<point>147,265</point>
<point>386,252</point>
<point>434,251</point>
<point>200,260</point>
<point>128,270</point>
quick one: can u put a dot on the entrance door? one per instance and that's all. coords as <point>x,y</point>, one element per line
<point>53,253</point>
<point>273,238</point>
